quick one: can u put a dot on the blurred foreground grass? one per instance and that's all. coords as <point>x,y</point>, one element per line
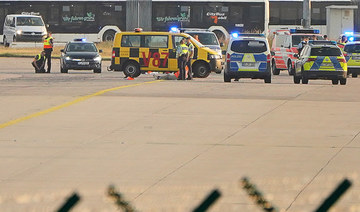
<point>31,52</point>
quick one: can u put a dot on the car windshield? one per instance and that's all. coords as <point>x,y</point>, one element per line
<point>248,46</point>
<point>353,48</point>
<point>81,47</point>
<point>325,51</point>
<point>296,39</point>
<point>29,21</point>
<point>206,38</point>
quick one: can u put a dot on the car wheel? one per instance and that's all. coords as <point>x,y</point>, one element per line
<point>132,69</point>
<point>97,70</point>
<point>296,79</point>
<point>343,81</point>
<point>354,75</point>
<point>227,78</point>
<point>201,70</point>
<point>6,44</point>
<point>275,71</point>
<point>290,69</point>
<point>267,79</point>
<point>63,70</point>
<point>335,81</point>
<point>304,80</point>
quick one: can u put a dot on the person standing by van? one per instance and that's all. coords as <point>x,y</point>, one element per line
<point>48,48</point>
<point>190,56</point>
<point>182,55</point>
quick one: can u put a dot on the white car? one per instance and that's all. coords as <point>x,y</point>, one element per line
<point>23,28</point>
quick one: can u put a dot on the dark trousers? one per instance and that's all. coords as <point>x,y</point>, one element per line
<point>188,64</point>
<point>48,59</point>
<point>41,70</point>
<point>182,64</point>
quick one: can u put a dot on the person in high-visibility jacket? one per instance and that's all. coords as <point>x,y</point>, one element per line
<point>182,55</point>
<point>48,48</point>
<point>39,62</point>
<point>190,56</point>
<point>342,42</point>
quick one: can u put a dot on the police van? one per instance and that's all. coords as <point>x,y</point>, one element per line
<point>23,27</point>
<point>248,57</point>
<point>138,52</point>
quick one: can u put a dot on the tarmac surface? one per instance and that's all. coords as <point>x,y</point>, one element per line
<point>166,144</point>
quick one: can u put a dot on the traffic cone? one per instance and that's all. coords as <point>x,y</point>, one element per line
<point>130,78</point>
<point>177,74</point>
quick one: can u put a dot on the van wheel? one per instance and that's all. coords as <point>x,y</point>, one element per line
<point>335,81</point>
<point>354,75</point>
<point>267,79</point>
<point>201,70</point>
<point>275,71</point>
<point>6,44</point>
<point>227,78</point>
<point>132,69</point>
<point>109,35</point>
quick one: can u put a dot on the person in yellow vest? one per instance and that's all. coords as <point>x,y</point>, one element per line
<point>190,56</point>
<point>182,55</point>
<point>342,42</point>
<point>48,48</point>
<point>39,62</point>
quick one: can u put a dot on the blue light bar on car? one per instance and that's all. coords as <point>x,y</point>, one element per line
<point>174,29</point>
<point>235,35</point>
<point>80,39</point>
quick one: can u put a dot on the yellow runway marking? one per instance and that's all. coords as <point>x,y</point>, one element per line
<point>80,99</point>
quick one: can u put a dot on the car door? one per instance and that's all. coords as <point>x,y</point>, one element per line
<point>154,53</point>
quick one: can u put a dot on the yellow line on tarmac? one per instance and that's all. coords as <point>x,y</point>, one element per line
<point>80,99</point>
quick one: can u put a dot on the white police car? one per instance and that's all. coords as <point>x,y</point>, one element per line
<point>80,55</point>
<point>248,56</point>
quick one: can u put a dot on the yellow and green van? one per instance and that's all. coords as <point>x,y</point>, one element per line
<point>137,52</point>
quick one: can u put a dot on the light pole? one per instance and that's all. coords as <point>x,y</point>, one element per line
<point>306,21</point>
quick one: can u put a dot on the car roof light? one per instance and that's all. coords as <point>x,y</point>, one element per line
<point>80,39</point>
<point>174,29</point>
<point>138,29</point>
<point>235,34</point>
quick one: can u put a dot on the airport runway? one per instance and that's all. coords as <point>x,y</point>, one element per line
<point>166,144</point>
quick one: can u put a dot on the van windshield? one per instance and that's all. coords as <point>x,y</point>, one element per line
<point>29,21</point>
<point>205,38</point>
<point>248,46</point>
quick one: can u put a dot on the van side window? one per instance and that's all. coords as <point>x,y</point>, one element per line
<point>130,41</point>
<point>176,41</point>
<point>280,40</point>
<point>156,41</point>
<point>12,23</point>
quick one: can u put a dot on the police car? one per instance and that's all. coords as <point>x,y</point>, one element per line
<point>248,57</point>
<point>80,55</point>
<point>320,60</point>
<point>285,45</point>
<point>352,55</point>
